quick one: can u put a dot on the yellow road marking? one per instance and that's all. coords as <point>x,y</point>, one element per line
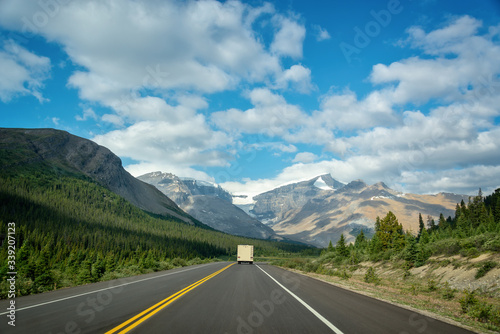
<point>146,314</point>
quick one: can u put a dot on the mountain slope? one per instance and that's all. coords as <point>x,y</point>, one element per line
<point>70,153</point>
<point>275,205</point>
<point>210,204</point>
<point>316,216</point>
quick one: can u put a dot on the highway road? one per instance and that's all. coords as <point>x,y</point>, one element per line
<point>214,298</point>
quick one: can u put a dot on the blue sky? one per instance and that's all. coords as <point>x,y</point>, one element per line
<point>253,95</point>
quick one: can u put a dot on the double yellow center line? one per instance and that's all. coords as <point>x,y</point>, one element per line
<point>146,314</point>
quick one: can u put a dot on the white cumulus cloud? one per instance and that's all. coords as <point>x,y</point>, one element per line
<point>289,38</point>
<point>23,72</point>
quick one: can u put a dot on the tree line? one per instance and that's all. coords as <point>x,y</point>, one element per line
<point>474,228</point>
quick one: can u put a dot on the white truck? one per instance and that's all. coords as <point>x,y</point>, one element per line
<point>245,254</point>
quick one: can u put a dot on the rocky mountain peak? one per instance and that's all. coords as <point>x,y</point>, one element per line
<point>209,203</point>
<point>316,213</point>
<point>330,181</point>
<point>354,186</point>
<point>381,185</point>
<point>197,187</point>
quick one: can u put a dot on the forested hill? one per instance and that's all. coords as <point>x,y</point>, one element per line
<point>66,153</point>
<point>70,229</point>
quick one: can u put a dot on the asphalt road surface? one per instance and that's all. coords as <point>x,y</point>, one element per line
<point>214,298</point>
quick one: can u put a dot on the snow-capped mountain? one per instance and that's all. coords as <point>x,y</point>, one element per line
<point>321,209</point>
<point>273,206</point>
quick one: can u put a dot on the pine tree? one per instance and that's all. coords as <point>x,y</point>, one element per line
<point>330,247</point>
<point>98,268</point>
<point>375,245</point>
<point>85,272</point>
<point>24,262</point>
<point>377,224</point>
<point>442,222</point>
<point>411,250</point>
<point>421,225</point>
<point>360,240</point>
<point>431,224</point>
<point>423,253</point>
<point>110,262</point>
<point>478,215</point>
<point>424,238</point>
<point>341,247</point>
<point>44,277</point>
<point>390,233</point>
<point>496,212</point>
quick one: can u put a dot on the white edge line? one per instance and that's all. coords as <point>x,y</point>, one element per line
<point>108,288</point>
<point>319,316</point>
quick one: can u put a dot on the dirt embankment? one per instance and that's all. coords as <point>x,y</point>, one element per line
<point>460,272</point>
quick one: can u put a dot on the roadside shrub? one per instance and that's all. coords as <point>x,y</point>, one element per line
<point>375,257</point>
<point>480,240</point>
<point>414,289</point>
<point>485,267</point>
<point>343,274</point>
<point>311,267</point>
<point>467,243</point>
<point>388,255</point>
<point>495,316</point>
<point>327,257</point>
<point>294,264</point>
<point>448,292</point>
<point>480,311</point>
<point>492,244</point>
<point>179,262</point>
<point>329,272</point>
<point>355,258</point>
<point>371,276</point>
<point>445,263</point>
<point>469,252</point>
<point>196,260</point>
<point>164,265</point>
<point>456,264</point>
<point>432,285</point>
<point>406,274</point>
<point>406,269</point>
<point>320,269</point>
<point>446,246</point>
<point>468,301</point>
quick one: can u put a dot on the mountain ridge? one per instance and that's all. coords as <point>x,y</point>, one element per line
<point>301,211</point>
<point>71,153</point>
<point>210,204</point>
<point>265,203</point>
